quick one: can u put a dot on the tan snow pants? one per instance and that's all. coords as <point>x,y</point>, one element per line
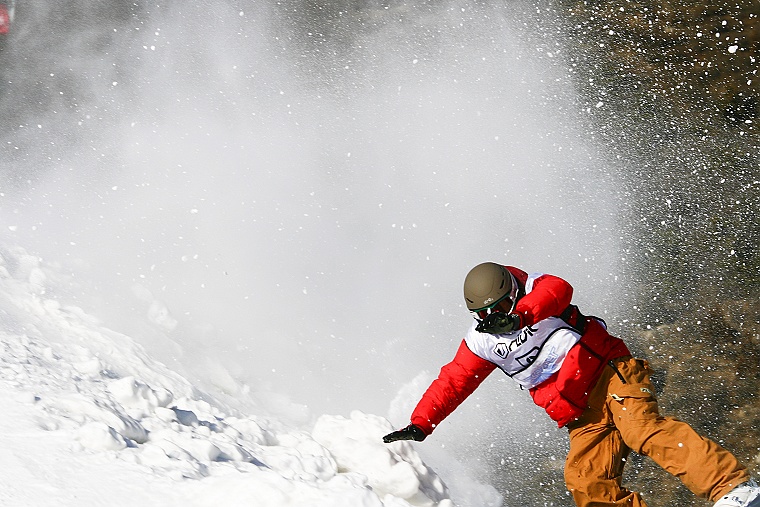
<point>623,416</point>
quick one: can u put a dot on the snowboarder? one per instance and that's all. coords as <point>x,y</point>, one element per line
<point>586,380</point>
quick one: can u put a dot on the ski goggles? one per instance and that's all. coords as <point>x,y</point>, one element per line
<point>504,305</point>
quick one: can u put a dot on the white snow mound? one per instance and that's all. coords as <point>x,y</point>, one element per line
<point>88,415</point>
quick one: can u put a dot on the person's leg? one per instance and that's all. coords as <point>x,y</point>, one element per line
<point>594,465</point>
<point>704,467</point>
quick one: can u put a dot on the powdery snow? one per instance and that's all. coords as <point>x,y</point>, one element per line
<point>89,419</point>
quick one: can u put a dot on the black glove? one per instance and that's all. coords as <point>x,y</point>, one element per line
<point>411,432</point>
<point>499,323</point>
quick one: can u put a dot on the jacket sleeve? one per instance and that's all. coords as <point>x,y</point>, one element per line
<point>549,298</point>
<point>456,381</point>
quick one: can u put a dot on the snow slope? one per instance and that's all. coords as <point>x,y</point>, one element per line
<point>90,419</point>
<point>306,203</point>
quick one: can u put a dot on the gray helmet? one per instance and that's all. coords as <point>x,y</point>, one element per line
<point>486,284</point>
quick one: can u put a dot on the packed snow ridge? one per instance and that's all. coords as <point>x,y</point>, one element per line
<point>90,419</point>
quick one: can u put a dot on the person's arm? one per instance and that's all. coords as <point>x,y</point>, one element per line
<point>549,298</point>
<point>456,381</point>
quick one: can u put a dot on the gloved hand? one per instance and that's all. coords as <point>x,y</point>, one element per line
<point>411,432</point>
<point>499,323</point>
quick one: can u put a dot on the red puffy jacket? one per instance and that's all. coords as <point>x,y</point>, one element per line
<point>565,394</point>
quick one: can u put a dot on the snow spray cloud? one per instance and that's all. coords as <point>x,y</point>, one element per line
<point>292,205</point>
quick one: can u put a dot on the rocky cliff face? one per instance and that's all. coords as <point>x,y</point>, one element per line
<point>701,59</point>
<point>682,93</point>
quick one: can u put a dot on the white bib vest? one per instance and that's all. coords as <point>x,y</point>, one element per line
<point>530,355</point>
